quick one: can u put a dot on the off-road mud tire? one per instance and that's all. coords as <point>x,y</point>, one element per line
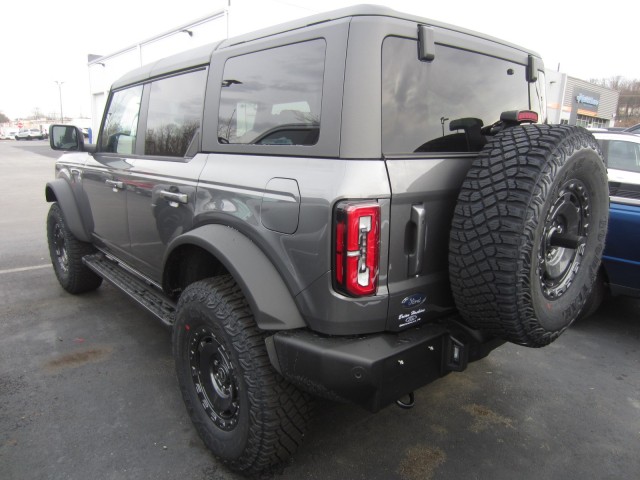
<point>527,186</point>
<point>66,253</point>
<point>263,418</point>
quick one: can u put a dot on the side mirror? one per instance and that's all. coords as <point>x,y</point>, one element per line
<point>68,138</point>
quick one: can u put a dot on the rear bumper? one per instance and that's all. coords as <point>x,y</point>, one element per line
<point>375,370</point>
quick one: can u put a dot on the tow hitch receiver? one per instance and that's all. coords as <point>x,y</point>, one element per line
<point>456,354</point>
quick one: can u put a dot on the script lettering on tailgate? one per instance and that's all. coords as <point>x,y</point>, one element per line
<point>410,318</point>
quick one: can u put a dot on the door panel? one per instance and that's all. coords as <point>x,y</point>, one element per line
<point>160,203</point>
<point>103,181</point>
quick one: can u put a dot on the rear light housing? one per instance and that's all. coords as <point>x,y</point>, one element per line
<point>357,248</point>
<point>519,116</point>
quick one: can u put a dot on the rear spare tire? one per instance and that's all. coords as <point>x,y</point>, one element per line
<point>528,232</point>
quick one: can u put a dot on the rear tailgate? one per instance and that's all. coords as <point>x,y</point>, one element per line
<point>424,193</point>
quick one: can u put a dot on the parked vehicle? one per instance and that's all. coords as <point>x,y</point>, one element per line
<point>620,270</point>
<point>29,134</point>
<point>635,129</point>
<point>347,206</point>
<point>8,133</point>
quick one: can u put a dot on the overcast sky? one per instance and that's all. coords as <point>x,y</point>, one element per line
<point>42,41</point>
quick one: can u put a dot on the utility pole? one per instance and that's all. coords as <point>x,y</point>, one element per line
<point>60,94</point>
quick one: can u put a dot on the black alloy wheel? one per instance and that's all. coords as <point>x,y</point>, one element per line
<point>61,257</point>
<point>564,239</point>
<point>214,378</point>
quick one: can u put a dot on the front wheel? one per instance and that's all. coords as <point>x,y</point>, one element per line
<point>244,411</point>
<point>66,253</point>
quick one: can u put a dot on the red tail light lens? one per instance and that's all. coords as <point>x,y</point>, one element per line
<point>357,248</point>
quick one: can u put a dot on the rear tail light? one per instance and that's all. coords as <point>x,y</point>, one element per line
<point>357,248</point>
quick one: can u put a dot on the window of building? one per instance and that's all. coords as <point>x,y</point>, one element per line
<point>591,122</point>
<point>121,124</point>
<point>174,115</point>
<point>441,106</point>
<point>273,97</point>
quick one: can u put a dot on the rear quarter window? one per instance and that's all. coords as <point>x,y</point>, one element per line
<point>273,97</point>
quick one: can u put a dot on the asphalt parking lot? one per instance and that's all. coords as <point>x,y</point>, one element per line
<point>87,388</point>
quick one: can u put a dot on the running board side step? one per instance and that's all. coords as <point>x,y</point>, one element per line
<point>142,292</point>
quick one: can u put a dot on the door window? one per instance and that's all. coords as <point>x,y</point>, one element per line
<point>175,110</point>
<point>121,124</point>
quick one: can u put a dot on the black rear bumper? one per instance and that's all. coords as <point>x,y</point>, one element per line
<point>375,370</point>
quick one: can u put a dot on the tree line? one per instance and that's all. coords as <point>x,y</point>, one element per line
<point>629,103</point>
<point>36,115</point>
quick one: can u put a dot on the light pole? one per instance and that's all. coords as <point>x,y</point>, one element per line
<point>60,94</point>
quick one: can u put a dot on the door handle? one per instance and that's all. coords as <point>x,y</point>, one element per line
<point>175,197</point>
<point>116,185</point>
<point>416,258</point>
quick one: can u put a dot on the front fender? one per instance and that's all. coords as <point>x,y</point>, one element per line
<point>60,191</point>
<point>271,302</point>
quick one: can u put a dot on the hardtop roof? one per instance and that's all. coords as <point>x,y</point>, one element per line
<point>202,55</point>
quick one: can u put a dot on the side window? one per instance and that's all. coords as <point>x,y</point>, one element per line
<point>175,110</point>
<point>273,97</point>
<point>442,106</point>
<point>121,125</point>
<point>623,155</point>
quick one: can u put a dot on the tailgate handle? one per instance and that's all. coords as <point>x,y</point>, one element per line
<point>416,258</point>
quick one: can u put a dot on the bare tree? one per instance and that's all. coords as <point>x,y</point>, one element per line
<point>629,102</point>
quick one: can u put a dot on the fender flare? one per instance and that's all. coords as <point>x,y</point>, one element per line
<point>271,302</point>
<point>60,191</point>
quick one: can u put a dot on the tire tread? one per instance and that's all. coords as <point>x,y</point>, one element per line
<point>79,278</point>
<point>494,226</point>
<point>279,412</point>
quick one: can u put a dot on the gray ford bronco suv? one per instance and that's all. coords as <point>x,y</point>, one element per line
<point>350,206</point>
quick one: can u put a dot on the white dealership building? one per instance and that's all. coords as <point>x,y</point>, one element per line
<point>577,102</point>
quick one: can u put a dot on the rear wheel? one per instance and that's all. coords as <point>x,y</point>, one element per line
<point>66,253</point>
<point>244,411</point>
<point>528,232</point>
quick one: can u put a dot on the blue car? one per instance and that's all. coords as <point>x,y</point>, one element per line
<point>620,272</point>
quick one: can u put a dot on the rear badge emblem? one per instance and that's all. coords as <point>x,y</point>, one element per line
<point>414,300</point>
